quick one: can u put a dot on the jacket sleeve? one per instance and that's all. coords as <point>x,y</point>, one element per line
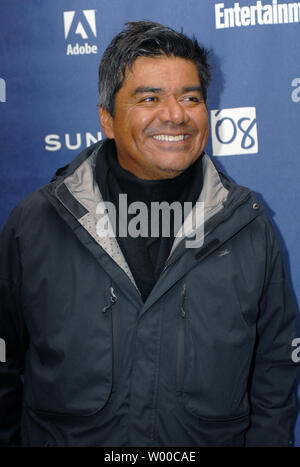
<point>273,379</point>
<point>12,334</point>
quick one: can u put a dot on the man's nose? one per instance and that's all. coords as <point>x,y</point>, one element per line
<point>173,111</point>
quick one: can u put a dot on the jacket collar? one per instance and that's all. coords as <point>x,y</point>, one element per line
<point>76,189</point>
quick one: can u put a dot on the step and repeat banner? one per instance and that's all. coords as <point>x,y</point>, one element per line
<point>49,56</point>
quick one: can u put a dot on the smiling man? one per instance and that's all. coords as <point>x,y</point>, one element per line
<point>137,339</point>
<point>160,123</point>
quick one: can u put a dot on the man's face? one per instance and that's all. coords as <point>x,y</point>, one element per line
<point>160,124</point>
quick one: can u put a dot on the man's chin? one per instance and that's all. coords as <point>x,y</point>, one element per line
<point>177,165</point>
<point>172,170</point>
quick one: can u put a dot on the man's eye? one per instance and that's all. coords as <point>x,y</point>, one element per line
<point>191,99</point>
<point>149,99</point>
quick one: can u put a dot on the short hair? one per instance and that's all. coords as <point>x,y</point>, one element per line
<point>146,38</point>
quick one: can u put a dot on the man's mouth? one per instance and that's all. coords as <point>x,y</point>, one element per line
<point>175,138</point>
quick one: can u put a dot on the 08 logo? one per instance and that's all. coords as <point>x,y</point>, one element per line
<point>234,131</point>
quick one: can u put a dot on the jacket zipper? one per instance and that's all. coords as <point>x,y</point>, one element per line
<point>180,341</point>
<point>110,306</point>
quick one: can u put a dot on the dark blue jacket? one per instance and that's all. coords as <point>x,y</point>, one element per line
<point>206,360</point>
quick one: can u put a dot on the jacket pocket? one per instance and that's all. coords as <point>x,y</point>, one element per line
<point>212,365</point>
<point>71,365</point>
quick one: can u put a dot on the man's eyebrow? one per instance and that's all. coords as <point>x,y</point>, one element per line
<point>143,89</point>
<point>192,88</point>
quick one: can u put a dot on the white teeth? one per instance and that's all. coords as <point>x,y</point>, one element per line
<point>169,138</point>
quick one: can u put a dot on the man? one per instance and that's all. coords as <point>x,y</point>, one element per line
<point>139,339</point>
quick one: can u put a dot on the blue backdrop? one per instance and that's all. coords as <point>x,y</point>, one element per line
<point>49,55</point>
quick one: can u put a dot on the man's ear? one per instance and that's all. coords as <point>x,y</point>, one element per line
<point>106,123</point>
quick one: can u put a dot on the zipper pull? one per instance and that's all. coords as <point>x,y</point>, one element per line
<point>182,311</point>
<point>113,299</point>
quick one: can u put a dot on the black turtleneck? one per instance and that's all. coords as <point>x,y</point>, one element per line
<point>145,256</point>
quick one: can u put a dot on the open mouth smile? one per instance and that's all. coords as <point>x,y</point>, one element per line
<point>170,138</point>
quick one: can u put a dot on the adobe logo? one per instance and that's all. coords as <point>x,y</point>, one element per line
<point>80,25</point>
<point>87,16</point>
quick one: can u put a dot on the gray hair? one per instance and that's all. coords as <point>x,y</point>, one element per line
<point>146,38</point>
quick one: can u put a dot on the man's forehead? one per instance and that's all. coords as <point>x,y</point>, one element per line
<point>151,71</point>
